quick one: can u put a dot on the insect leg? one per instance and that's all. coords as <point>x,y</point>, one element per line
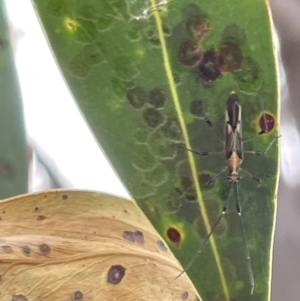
<point>194,258</point>
<point>247,253</point>
<point>264,152</point>
<point>250,175</point>
<point>216,176</point>
<point>204,153</point>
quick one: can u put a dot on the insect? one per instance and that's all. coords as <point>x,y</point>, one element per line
<point>234,156</point>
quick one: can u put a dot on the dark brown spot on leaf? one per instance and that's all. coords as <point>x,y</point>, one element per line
<point>230,57</point>
<point>64,196</point>
<point>197,108</point>
<point>266,123</point>
<point>157,97</point>
<point>189,54</point>
<point>139,237</point>
<point>136,236</point>
<point>184,295</point>
<point>137,97</point>
<point>26,250</point>
<point>174,235</point>
<point>45,249</point>
<point>199,27</point>
<point>205,181</point>
<point>36,209</point>
<point>18,298</point>
<point>41,217</point>
<point>162,246</point>
<point>186,183</point>
<point>209,67</point>
<point>7,249</point>
<point>128,235</point>
<point>153,118</point>
<point>115,274</point>
<point>78,295</point>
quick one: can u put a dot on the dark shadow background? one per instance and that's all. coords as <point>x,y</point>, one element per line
<point>286,263</point>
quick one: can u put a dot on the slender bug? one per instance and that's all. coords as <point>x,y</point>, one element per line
<point>234,156</point>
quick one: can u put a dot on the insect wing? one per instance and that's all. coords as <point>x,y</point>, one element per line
<point>233,134</point>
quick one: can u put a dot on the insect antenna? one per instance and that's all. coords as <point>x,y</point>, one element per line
<point>247,253</point>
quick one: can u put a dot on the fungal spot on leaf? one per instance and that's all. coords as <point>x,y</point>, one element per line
<point>26,250</point>
<point>128,235</point>
<point>140,135</point>
<point>174,235</point>
<point>159,146</point>
<point>64,196</point>
<point>184,295</point>
<point>266,123</point>
<point>158,175</point>
<point>7,249</point>
<point>125,68</point>
<point>18,298</point>
<point>115,274</point>
<point>249,71</point>
<point>197,108</point>
<point>71,24</point>
<point>157,98</point>
<point>209,67</point>
<point>171,129</point>
<point>162,246</point>
<point>139,237</point>
<point>233,33</point>
<point>199,27</point>
<point>137,97</point>
<point>78,295</point>
<point>153,117</point>
<point>143,159</point>
<point>6,168</point>
<point>189,54</point>
<point>230,57</point>
<point>44,249</point>
<point>41,217</point>
<point>82,63</point>
<point>186,183</point>
<point>205,181</point>
<point>136,236</point>
<point>36,209</point>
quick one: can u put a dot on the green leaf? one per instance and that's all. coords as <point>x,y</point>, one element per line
<point>13,152</point>
<point>148,75</point>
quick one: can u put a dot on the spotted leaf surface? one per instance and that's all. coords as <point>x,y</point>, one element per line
<point>153,78</point>
<point>77,245</point>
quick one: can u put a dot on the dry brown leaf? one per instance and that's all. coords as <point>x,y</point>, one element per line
<point>80,245</point>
